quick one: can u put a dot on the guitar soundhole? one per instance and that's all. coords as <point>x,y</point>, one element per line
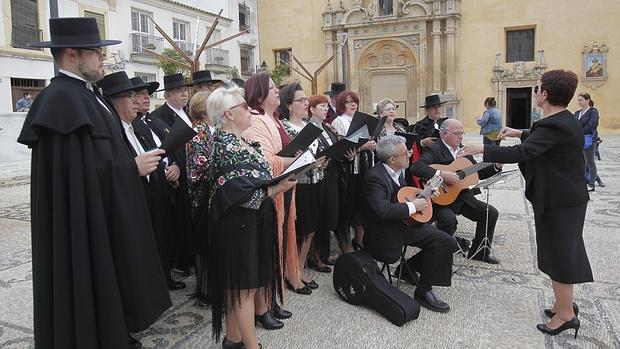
<point>461,174</point>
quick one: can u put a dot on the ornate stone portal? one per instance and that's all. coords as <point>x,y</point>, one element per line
<point>404,52</point>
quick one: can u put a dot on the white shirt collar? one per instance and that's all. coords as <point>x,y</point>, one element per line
<point>452,151</point>
<point>393,174</point>
<point>75,76</point>
<point>182,114</point>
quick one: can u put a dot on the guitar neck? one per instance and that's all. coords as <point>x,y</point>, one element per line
<point>475,168</point>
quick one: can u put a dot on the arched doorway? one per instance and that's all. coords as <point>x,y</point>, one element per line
<point>387,70</point>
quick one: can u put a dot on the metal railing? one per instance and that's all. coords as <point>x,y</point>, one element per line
<point>140,42</point>
<point>216,56</point>
<point>187,47</point>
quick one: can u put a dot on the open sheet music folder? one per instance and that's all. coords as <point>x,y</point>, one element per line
<point>306,136</point>
<point>304,163</point>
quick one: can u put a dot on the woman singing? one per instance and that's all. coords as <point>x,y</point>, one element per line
<point>241,220</point>
<point>550,158</point>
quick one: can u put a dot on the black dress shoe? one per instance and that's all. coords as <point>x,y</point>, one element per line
<point>572,323</point>
<point>463,243</point>
<point>176,285</point>
<point>268,322</point>
<point>328,261</point>
<point>551,314</point>
<point>228,344</point>
<point>312,284</point>
<point>320,268</point>
<point>304,290</point>
<point>182,272</point>
<point>280,313</point>
<point>483,257</point>
<point>134,343</point>
<point>429,301</point>
<point>407,275</point>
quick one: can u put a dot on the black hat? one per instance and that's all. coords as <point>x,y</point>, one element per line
<point>202,76</point>
<point>336,88</point>
<point>115,83</point>
<point>432,101</point>
<point>74,32</point>
<point>174,81</point>
<point>139,84</point>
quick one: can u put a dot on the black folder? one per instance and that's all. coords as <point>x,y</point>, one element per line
<point>409,138</point>
<point>180,134</point>
<point>302,141</point>
<point>360,120</point>
<point>338,149</point>
<point>378,128</point>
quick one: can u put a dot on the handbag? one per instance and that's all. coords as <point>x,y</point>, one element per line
<point>587,141</point>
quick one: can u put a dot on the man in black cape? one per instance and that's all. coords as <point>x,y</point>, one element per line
<point>96,273</point>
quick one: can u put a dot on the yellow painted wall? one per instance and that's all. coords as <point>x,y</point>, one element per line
<point>562,29</point>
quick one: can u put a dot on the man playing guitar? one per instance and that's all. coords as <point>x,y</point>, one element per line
<point>385,232</point>
<point>444,152</point>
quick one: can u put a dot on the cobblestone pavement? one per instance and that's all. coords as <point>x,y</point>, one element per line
<point>493,306</point>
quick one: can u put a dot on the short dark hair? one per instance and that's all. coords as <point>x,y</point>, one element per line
<point>26,93</point>
<point>287,95</point>
<point>587,97</point>
<point>490,101</point>
<point>560,86</point>
<point>256,90</point>
<point>342,99</point>
<point>57,53</point>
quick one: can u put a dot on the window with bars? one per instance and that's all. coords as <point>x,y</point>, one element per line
<point>140,21</point>
<point>520,45</point>
<point>179,30</point>
<point>284,56</point>
<point>244,17</point>
<point>247,60</point>
<point>25,23</point>
<point>215,36</point>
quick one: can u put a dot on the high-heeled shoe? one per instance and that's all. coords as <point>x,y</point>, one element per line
<point>304,290</point>
<point>228,344</point>
<point>312,284</point>
<point>573,323</point>
<point>551,314</point>
<point>280,313</point>
<point>268,322</point>
<point>320,268</point>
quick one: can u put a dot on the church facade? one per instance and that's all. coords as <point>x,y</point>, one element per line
<point>464,51</point>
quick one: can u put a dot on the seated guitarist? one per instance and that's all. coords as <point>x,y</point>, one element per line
<point>443,152</point>
<point>385,233</point>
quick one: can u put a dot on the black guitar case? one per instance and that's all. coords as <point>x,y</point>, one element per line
<point>358,281</point>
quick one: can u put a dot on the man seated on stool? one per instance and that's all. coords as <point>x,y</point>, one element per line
<point>385,233</point>
<point>443,152</point>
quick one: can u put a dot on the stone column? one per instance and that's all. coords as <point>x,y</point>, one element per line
<point>450,53</point>
<point>436,35</point>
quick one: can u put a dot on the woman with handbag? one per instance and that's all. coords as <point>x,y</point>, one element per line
<point>490,123</point>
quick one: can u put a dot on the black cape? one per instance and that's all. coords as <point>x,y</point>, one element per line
<point>95,265</point>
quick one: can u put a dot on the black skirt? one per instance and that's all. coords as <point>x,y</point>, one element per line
<point>308,201</point>
<point>561,251</point>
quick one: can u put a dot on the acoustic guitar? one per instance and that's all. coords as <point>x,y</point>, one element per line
<point>408,194</point>
<point>468,176</point>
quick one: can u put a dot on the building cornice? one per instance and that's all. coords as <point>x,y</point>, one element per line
<point>173,5</point>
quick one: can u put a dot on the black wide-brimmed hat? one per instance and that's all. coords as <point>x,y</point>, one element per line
<point>116,83</point>
<point>432,101</point>
<point>336,88</point>
<point>139,84</point>
<point>174,81</point>
<point>203,76</point>
<point>74,32</point>
<point>238,82</point>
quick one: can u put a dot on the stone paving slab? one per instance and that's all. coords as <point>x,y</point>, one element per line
<point>493,306</point>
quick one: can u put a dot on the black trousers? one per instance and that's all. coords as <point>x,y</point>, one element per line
<point>434,262</point>
<point>445,219</point>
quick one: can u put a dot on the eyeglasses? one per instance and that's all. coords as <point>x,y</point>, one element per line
<point>350,102</point>
<point>390,109</point>
<point>536,89</point>
<point>302,100</point>
<point>458,134</point>
<point>99,52</point>
<point>243,104</point>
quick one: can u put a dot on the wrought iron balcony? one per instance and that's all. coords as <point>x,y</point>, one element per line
<point>187,47</point>
<point>216,56</point>
<point>140,42</point>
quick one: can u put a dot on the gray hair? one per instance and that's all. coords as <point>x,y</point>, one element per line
<point>445,124</point>
<point>382,104</point>
<point>219,102</point>
<point>386,146</point>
